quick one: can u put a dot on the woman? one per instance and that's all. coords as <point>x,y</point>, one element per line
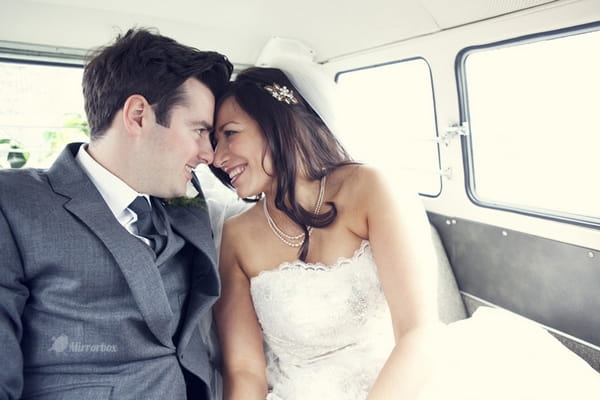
<point>329,280</point>
<point>320,263</point>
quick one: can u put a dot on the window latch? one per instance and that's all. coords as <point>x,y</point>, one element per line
<point>454,131</point>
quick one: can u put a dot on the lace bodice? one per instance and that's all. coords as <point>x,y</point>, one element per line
<point>327,333</point>
<point>327,329</point>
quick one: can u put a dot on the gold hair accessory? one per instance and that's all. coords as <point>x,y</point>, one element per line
<point>282,93</point>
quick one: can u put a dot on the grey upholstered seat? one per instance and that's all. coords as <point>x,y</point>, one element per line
<point>450,305</point>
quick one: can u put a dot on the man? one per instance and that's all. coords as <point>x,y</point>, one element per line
<point>103,284</point>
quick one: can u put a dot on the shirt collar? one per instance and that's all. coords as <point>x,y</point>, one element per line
<point>116,193</point>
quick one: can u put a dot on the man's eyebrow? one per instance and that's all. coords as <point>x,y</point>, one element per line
<point>201,123</point>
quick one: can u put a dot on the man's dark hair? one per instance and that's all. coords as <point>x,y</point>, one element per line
<point>151,65</point>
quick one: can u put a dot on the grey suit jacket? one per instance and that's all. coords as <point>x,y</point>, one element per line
<point>84,314</point>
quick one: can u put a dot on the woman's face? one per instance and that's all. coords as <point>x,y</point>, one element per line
<point>240,145</point>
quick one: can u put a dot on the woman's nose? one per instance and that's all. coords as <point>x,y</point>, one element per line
<point>220,156</point>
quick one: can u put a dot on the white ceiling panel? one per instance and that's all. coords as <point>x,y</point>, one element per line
<point>240,28</point>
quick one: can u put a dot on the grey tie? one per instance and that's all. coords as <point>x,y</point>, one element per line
<point>144,223</point>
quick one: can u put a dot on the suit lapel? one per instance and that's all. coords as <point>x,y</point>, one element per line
<point>138,267</point>
<point>193,224</point>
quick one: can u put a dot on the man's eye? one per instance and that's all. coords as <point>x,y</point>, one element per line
<point>202,131</point>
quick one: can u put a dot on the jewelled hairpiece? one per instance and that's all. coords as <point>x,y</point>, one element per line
<point>282,93</point>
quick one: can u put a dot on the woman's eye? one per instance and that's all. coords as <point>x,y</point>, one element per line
<point>228,133</point>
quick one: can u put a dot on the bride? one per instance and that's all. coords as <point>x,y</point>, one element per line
<point>329,280</point>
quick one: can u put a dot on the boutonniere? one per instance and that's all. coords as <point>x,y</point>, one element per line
<point>192,197</point>
<point>186,202</point>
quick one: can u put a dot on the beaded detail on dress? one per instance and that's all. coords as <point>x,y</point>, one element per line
<point>327,329</point>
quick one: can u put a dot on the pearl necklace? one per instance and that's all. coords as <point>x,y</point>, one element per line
<point>297,240</point>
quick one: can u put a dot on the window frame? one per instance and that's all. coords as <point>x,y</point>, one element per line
<point>25,53</point>
<point>466,142</point>
<point>433,102</point>
<point>43,56</point>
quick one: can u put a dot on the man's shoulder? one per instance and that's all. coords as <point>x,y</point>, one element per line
<point>33,179</point>
<point>22,188</point>
<point>22,177</point>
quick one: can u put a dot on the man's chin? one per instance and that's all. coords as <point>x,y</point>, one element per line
<point>173,194</point>
<point>179,193</point>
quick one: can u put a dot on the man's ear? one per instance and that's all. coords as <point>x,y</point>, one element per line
<point>136,110</point>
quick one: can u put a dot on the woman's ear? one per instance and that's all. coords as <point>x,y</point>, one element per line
<point>135,110</point>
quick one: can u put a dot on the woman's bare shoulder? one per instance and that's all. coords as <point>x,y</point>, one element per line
<point>355,179</point>
<point>240,224</point>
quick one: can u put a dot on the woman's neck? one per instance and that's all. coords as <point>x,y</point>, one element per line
<point>307,193</point>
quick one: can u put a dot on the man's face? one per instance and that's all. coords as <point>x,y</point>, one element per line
<point>172,152</point>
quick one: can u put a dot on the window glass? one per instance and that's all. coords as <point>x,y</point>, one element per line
<point>41,109</point>
<point>400,135</point>
<point>532,109</point>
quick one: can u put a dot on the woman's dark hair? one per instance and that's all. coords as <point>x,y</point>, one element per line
<point>149,64</point>
<point>297,139</point>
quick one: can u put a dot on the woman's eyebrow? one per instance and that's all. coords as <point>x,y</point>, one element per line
<point>220,127</point>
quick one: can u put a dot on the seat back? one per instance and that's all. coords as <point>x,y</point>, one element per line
<point>450,304</point>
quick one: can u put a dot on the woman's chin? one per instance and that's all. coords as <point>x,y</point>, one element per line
<point>244,194</point>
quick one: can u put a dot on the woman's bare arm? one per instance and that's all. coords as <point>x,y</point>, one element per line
<point>244,366</point>
<point>400,237</point>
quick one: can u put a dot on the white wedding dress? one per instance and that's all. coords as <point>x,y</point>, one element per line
<point>327,333</point>
<point>327,329</point>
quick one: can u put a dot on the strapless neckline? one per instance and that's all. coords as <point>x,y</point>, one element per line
<point>316,266</point>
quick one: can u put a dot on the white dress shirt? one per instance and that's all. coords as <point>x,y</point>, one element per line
<point>116,193</point>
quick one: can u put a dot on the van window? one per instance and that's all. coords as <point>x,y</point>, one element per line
<point>41,110</point>
<point>532,109</point>
<point>401,134</point>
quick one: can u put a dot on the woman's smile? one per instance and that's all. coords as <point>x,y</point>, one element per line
<point>234,173</point>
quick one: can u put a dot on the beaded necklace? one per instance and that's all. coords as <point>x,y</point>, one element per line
<point>296,240</point>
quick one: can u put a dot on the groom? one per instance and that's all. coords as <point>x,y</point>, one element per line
<point>103,284</point>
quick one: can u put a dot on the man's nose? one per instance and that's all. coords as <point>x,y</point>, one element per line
<point>205,151</point>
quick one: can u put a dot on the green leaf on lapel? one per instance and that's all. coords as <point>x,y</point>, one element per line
<point>197,202</point>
